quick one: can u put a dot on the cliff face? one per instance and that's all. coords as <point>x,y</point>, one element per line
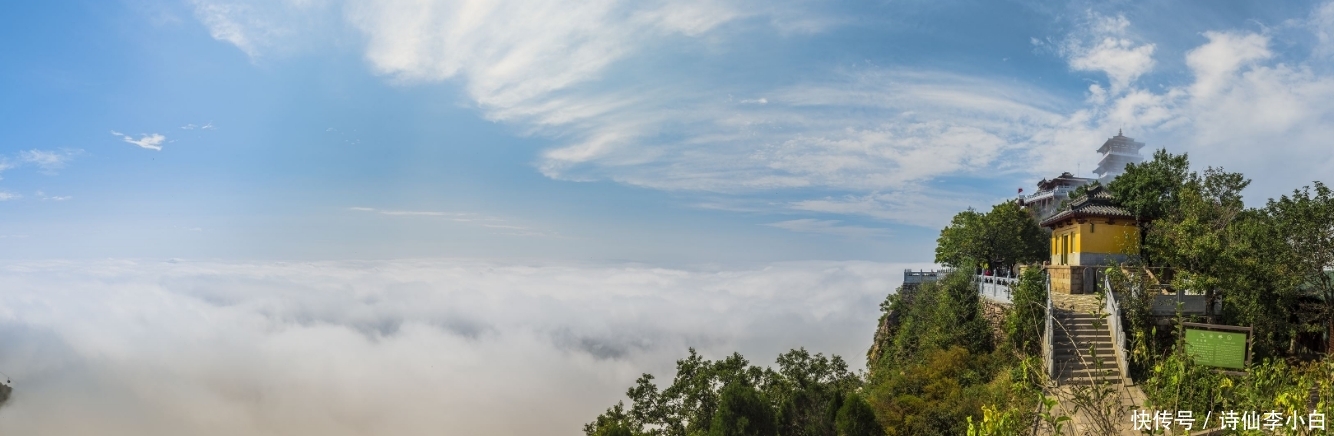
<point>4,393</point>
<point>889,323</point>
<point>995,313</point>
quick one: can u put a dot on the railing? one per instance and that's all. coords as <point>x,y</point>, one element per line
<point>1113,309</point>
<point>923,276</point>
<point>995,288</point>
<point>1048,338</point>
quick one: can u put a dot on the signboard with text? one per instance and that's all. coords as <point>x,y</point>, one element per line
<point>1217,348</point>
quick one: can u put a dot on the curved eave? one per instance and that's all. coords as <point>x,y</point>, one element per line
<point>1074,215</point>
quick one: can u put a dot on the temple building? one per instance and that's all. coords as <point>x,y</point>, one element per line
<point>1051,193</point>
<point>1091,232</point>
<point>1118,151</point>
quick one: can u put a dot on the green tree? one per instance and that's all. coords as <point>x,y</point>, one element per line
<point>856,418</point>
<point>1306,222</point>
<point>802,397</point>
<point>1194,238</point>
<point>962,244</point>
<point>614,422</point>
<point>1150,191</point>
<point>809,391</point>
<point>1260,289</point>
<point>742,411</point>
<point>937,364</point>
<point>1015,236</point>
<point>1002,238</point>
<point>1024,321</point>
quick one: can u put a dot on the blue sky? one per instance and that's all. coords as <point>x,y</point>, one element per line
<point>667,131</point>
<point>210,209</point>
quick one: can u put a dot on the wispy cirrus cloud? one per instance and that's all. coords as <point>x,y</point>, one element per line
<point>193,126</point>
<point>5,164</point>
<point>150,141</point>
<point>48,160</point>
<point>42,195</point>
<point>6,196</point>
<point>874,140</point>
<point>537,65</point>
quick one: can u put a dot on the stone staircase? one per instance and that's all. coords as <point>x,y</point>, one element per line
<point>1082,344</point>
<point>1083,357</point>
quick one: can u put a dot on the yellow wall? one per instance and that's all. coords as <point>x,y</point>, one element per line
<point>1094,236</point>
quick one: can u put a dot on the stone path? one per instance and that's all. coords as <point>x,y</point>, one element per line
<point>1077,303</point>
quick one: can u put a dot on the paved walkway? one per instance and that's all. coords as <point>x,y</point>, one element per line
<point>1078,303</point>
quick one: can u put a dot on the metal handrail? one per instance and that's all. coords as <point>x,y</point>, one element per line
<point>1113,309</point>
<point>1048,342</point>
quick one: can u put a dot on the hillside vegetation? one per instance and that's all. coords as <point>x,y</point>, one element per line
<point>934,368</point>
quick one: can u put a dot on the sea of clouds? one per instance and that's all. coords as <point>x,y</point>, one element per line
<point>443,346</point>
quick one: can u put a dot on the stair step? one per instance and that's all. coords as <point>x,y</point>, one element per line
<point>1082,370</point>
<point>1085,381</point>
<point>1094,337</point>
<point>1099,346</point>
<point>1071,325</point>
<point>1079,354</point>
<point>1083,339</point>
<point>1076,363</point>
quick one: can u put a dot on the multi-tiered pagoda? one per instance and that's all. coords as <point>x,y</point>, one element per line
<point>1116,153</point>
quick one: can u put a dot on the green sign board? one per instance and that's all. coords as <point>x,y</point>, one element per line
<point>1218,349</point>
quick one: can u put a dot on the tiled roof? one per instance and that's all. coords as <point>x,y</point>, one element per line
<point>1097,202</point>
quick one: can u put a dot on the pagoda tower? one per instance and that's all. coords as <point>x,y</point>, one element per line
<point>1118,151</point>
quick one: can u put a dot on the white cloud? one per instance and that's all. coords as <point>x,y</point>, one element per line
<point>44,197</point>
<point>400,347</point>
<point>149,141</point>
<point>1120,59</point>
<point>1321,23</point>
<point>6,196</point>
<point>48,161</point>
<point>1242,110</point>
<point>1104,46</point>
<point>829,227</point>
<point>868,130</point>
<point>1218,61</point>
<point>5,164</point>
<point>258,27</point>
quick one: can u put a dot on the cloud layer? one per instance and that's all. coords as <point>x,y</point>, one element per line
<point>401,347</point>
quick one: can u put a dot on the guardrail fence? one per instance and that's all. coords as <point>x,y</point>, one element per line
<point>1048,338</point>
<point>1113,309</point>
